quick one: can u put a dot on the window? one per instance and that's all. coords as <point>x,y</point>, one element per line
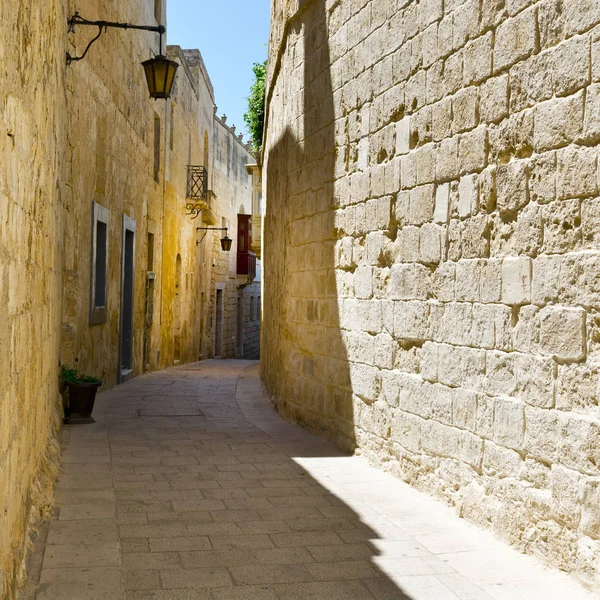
<point>258,309</point>
<point>158,10</point>
<point>156,148</point>
<point>252,308</point>
<point>99,267</point>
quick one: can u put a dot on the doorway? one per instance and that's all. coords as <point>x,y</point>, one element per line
<point>219,324</point>
<point>127,291</point>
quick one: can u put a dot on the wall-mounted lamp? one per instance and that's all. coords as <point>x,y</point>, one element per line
<point>160,71</point>
<point>225,241</point>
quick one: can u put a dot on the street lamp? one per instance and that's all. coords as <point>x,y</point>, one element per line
<point>225,241</point>
<point>160,71</point>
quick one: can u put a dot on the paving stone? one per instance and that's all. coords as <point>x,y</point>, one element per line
<point>325,554</point>
<point>230,542</point>
<point>329,571</point>
<point>179,544</point>
<point>286,540</point>
<point>80,584</point>
<point>244,592</point>
<point>78,512</point>
<point>85,532</point>
<point>153,530</point>
<point>330,590</point>
<point>257,527</point>
<point>195,578</point>
<point>86,497</point>
<point>132,545</point>
<point>151,560</point>
<point>253,574</point>
<point>284,556</point>
<point>169,595</point>
<point>213,529</point>
<point>104,554</point>
<point>217,558</point>
<point>141,580</point>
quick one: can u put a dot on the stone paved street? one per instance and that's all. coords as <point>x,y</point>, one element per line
<point>190,487</point>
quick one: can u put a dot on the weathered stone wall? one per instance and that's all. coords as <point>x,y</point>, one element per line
<point>32,148</point>
<point>432,251</point>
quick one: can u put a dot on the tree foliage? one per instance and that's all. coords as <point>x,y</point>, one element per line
<point>255,117</point>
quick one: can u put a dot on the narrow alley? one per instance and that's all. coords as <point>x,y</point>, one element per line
<point>190,487</point>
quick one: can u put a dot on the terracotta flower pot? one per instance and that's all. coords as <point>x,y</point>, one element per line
<point>82,397</point>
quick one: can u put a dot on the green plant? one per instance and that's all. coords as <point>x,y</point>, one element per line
<point>255,117</point>
<point>73,376</point>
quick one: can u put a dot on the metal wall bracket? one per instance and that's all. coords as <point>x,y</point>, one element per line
<point>77,19</point>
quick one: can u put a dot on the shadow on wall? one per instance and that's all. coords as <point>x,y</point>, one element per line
<point>306,369</point>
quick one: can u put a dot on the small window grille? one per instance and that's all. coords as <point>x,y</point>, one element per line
<point>197,185</point>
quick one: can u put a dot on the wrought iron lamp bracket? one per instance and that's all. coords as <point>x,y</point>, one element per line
<point>77,19</point>
<point>207,229</point>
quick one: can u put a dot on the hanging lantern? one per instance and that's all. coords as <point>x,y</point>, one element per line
<point>160,75</point>
<point>226,243</point>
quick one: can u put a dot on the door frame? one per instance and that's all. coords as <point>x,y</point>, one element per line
<point>129,225</point>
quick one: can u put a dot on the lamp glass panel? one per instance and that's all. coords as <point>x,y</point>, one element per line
<point>160,75</point>
<point>226,244</point>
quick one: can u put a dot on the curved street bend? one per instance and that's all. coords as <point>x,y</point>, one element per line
<point>191,487</point>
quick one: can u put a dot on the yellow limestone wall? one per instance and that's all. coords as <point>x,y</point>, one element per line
<point>432,250</point>
<point>32,153</point>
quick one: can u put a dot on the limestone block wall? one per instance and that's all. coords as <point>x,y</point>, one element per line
<point>32,148</point>
<point>432,249</point>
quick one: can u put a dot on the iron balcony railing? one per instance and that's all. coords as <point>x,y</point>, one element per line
<point>197,182</point>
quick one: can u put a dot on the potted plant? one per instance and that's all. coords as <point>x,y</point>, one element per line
<point>82,395</point>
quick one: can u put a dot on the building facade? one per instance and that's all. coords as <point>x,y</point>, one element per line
<point>101,267</point>
<point>431,182</point>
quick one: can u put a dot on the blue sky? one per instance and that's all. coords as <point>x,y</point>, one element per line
<point>231,35</point>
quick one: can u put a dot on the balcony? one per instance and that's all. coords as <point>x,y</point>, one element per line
<point>200,200</point>
<point>246,265</point>
<point>209,215</point>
